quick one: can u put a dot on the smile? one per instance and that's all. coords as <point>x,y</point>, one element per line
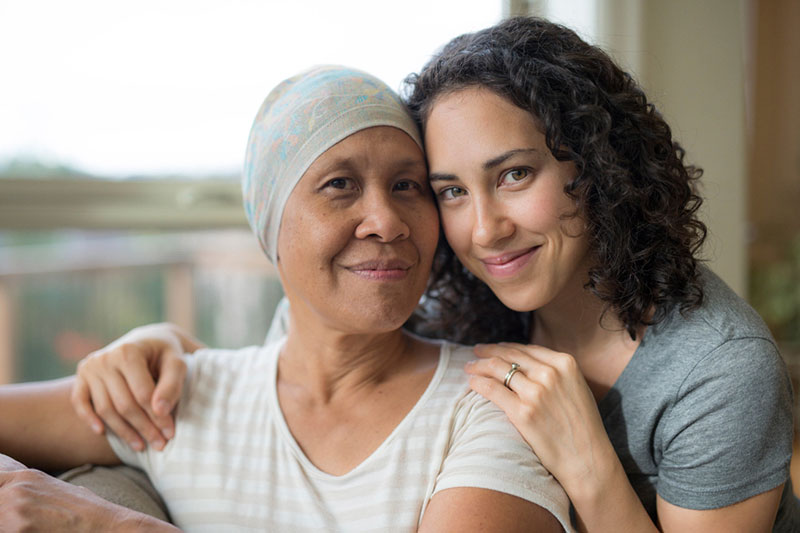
<point>381,270</point>
<point>507,265</point>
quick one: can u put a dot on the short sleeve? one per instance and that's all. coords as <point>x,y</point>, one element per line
<point>487,452</point>
<point>728,435</point>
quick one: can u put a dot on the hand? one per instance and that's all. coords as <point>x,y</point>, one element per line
<point>551,406</point>
<point>33,501</point>
<point>133,384</point>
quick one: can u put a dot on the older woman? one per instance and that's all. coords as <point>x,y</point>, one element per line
<point>348,423</point>
<point>653,393</point>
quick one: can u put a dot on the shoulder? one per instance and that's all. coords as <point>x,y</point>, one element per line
<point>725,331</point>
<point>726,313</point>
<point>216,378</point>
<point>458,355</point>
<point>248,356</point>
<point>721,350</point>
<point>219,365</point>
<point>486,451</point>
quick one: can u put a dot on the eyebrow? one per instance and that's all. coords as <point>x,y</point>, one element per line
<point>495,161</point>
<point>488,165</point>
<point>350,164</point>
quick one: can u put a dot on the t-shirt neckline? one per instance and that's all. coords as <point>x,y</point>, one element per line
<point>311,468</point>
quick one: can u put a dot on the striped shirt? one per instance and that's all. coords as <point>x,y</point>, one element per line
<point>233,464</point>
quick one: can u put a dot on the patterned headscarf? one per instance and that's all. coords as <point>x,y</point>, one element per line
<point>300,119</point>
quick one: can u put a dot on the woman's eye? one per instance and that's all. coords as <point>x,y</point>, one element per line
<point>340,183</point>
<point>514,175</point>
<point>451,193</point>
<point>407,185</point>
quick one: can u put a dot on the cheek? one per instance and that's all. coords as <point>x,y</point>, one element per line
<point>429,221</point>
<point>309,241</point>
<point>542,211</point>
<point>457,227</point>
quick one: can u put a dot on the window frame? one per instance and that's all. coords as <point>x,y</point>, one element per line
<point>131,204</point>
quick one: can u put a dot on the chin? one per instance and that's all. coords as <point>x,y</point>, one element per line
<point>372,324</point>
<point>518,300</point>
<point>377,317</point>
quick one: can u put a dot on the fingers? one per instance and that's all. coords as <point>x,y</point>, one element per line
<point>168,391</point>
<point>116,405</point>
<point>82,404</point>
<point>116,385</point>
<point>542,373</point>
<point>523,389</point>
<point>135,379</point>
<point>188,343</point>
<point>495,392</point>
<point>532,359</point>
<point>518,353</point>
<point>495,362</point>
<point>105,409</point>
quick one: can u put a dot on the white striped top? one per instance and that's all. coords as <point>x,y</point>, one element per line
<point>233,464</point>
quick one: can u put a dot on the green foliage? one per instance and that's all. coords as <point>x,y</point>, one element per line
<point>775,293</point>
<point>63,313</point>
<point>32,167</point>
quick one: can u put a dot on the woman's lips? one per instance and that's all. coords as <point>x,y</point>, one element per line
<point>507,265</point>
<point>381,270</point>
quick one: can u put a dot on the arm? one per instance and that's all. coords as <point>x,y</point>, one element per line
<point>39,428</point>
<point>480,510</point>
<point>553,408</point>
<point>753,514</point>
<point>134,383</point>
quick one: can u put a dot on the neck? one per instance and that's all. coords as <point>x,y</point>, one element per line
<point>573,327</point>
<point>326,362</point>
<point>574,323</point>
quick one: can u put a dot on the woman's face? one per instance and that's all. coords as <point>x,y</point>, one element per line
<point>359,232</point>
<point>501,198</point>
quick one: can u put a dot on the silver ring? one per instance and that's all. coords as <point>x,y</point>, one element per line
<point>514,370</point>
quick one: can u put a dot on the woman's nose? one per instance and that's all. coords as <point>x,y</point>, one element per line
<point>491,223</point>
<point>383,219</point>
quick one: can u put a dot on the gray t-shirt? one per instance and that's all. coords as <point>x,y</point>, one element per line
<point>702,414</point>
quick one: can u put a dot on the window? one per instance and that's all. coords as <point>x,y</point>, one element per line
<point>124,126</point>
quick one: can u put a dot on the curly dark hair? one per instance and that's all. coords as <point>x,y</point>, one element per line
<point>638,197</point>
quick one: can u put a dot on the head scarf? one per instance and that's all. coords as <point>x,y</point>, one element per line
<point>300,119</point>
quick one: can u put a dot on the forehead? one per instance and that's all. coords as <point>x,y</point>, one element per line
<point>380,147</point>
<point>472,102</point>
<point>477,122</point>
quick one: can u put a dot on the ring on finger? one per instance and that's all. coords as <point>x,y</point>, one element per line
<point>514,369</point>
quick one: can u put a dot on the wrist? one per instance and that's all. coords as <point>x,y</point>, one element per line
<point>606,501</point>
<point>600,473</point>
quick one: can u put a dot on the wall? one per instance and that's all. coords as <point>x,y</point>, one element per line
<point>688,56</point>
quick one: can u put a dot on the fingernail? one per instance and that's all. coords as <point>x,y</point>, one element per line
<point>136,445</point>
<point>162,407</point>
<point>97,427</point>
<point>168,433</point>
<point>158,444</point>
